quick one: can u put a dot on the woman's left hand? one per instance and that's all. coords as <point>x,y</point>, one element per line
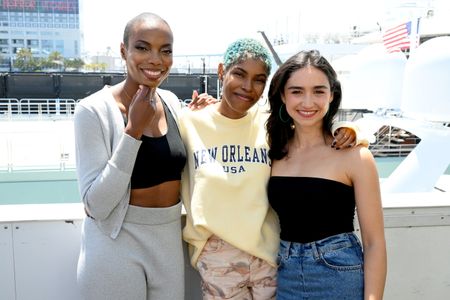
<point>344,138</point>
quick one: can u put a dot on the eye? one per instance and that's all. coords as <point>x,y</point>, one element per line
<point>167,51</point>
<point>238,74</point>
<point>140,48</point>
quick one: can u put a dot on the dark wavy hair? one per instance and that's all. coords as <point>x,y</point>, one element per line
<point>279,131</point>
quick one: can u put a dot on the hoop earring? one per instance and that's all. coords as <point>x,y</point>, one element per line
<point>262,104</point>
<point>280,114</point>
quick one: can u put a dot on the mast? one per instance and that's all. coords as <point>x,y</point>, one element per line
<point>274,53</point>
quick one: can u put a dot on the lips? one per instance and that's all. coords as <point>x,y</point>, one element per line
<point>306,114</point>
<point>153,74</point>
<point>244,97</point>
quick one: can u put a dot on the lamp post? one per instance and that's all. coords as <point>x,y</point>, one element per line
<point>203,63</point>
<point>204,84</point>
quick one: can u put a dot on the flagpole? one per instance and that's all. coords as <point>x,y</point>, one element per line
<point>415,37</point>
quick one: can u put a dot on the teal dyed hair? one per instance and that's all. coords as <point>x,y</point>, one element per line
<point>243,49</point>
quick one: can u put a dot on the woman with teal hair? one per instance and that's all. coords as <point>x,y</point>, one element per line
<point>232,232</point>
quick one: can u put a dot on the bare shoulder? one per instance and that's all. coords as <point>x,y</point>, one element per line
<point>358,161</point>
<point>358,154</point>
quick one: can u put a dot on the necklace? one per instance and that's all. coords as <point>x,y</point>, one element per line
<point>126,94</point>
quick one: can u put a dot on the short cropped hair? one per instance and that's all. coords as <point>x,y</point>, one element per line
<point>246,48</point>
<point>146,16</point>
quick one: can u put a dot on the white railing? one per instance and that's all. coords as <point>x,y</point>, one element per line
<point>35,108</point>
<point>46,143</point>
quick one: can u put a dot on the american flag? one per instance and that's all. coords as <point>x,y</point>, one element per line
<point>397,38</point>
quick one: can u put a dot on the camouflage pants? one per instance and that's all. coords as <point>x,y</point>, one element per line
<point>229,273</point>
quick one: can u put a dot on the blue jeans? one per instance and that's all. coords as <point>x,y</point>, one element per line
<point>331,268</point>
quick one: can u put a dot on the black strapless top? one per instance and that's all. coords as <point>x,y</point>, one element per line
<point>311,209</point>
<point>159,159</point>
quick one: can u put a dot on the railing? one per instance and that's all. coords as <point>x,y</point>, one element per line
<point>42,145</point>
<point>11,108</point>
<point>390,141</point>
<point>49,145</point>
<point>393,141</point>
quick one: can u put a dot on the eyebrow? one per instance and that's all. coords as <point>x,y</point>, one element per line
<point>148,44</point>
<point>245,71</point>
<point>296,87</point>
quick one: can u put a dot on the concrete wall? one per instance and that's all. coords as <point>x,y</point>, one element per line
<point>39,247</point>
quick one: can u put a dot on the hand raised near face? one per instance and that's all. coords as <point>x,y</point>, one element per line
<point>143,108</point>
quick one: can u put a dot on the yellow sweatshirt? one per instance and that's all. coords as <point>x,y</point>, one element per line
<point>224,183</point>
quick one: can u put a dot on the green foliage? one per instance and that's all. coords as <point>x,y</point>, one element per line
<point>55,61</point>
<point>25,61</point>
<point>96,67</point>
<point>73,64</point>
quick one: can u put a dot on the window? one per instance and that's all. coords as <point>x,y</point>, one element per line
<point>18,42</point>
<point>34,43</point>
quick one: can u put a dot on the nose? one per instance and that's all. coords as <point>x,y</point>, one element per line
<point>307,99</point>
<point>154,57</point>
<point>246,84</point>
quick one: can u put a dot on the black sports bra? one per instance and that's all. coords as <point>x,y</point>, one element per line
<point>159,159</point>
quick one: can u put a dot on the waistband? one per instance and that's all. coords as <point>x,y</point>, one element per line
<point>153,215</point>
<point>338,241</point>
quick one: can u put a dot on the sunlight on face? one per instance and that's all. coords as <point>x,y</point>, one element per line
<point>307,96</point>
<point>243,85</point>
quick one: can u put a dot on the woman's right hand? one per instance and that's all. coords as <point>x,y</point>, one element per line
<point>201,101</point>
<point>142,110</point>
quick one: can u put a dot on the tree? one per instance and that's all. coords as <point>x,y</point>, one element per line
<point>96,67</point>
<point>25,60</point>
<point>55,60</point>
<point>73,64</point>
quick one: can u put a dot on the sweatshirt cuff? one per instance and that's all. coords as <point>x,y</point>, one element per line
<point>361,138</point>
<point>125,155</point>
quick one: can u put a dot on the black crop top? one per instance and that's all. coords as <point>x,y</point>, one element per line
<point>311,209</point>
<point>159,159</point>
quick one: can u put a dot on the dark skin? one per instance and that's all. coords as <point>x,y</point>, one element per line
<point>344,138</point>
<point>148,57</point>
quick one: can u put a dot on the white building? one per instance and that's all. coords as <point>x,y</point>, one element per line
<point>43,26</point>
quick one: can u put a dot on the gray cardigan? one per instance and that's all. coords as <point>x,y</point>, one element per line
<point>105,157</point>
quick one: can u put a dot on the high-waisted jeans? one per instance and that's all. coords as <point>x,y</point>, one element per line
<point>331,268</point>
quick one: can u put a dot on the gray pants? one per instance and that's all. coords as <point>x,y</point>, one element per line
<point>144,262</point>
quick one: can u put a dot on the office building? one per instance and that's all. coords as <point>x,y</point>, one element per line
<point>43,26</point>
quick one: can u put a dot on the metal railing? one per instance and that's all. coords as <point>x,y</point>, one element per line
<point>54,146</point>
<point>393,141</point>
<point>11,108</point>
<point>38,145</point>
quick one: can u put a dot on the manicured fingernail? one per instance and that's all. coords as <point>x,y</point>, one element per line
<point>333,144</point>
<point>337,148</point>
